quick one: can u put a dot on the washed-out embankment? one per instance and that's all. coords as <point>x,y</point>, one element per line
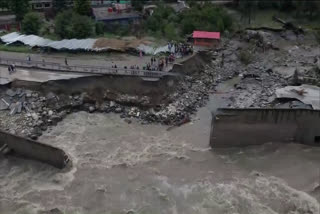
<point>88,91</point>
<point>127,90</point>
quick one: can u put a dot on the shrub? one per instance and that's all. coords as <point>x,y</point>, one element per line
<point>31,23</point>
<point>71,25</point>
<point>100,28</point>
<point>63,24</point>
<point>82,26</point>
<point>245,56</point>
<point>170,32</point>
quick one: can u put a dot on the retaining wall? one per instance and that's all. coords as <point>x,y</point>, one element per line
<point>243,127</point>
<point>34,150</point>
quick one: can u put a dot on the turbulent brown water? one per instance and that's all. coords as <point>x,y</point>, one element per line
<point>120,167</point>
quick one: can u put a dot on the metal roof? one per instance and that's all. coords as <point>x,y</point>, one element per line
<point>206,35</point>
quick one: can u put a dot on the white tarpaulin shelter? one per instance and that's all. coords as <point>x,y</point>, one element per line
<point>151,50</point>
<point>36,41</point>
<point>70,44</point>
<point>307,94</point>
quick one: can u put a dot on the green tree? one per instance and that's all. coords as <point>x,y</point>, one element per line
<point>82,26</point>
<point>4,4</point>
<point>82,7</point>
<point>170,31</point>
<point>19,8</point>
<point>138,4</point>
<point>100,27</point>
<point>311,7</point>
<point>247,7</point>
<point>60,5</point>
<point>63,24</point>
<point>72,25</point>
<point>31,23</point>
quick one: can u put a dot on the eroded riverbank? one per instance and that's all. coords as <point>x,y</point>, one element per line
<point>121,167</point>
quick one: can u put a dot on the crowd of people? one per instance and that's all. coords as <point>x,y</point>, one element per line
<point>180,49</point>
<point>176,50</point>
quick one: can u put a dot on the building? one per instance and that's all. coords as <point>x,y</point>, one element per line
<point>117,13</point>
<point>99,3</point>
<point>207,39</point>
<point>41,4</point>
<point>110,16</point>
<point>8,22</point>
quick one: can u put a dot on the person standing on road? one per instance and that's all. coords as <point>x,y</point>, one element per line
<point>29,58</point>
<point>13,68</point>
<point>66,61</point>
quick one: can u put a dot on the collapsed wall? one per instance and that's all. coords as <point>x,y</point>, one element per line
<point>33,150</point>
<point>244,127</point>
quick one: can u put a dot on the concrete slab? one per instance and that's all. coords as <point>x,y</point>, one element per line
<point>309,94</point>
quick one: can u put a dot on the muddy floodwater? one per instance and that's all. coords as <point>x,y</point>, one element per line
<point>132,168</point>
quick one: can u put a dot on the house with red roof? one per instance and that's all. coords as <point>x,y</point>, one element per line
<point>205,38</point>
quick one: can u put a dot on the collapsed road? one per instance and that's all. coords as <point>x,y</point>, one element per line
<point>26,148</point>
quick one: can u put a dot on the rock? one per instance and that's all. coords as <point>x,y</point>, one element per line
<point>18,91</point>
<point>50,112</point>
<point>52,211</point>
<point>44,128</point>
<point>35,95</point>
<point>55,119</point>
<point>11,93</point>
<point>3,105</point>
<point>127,121</point>
<point>112,104</point>
<point>33,136</point>
<point>13,109</point>
<point>92,109</point>
<point>118,110</point>
<point>28,93</point>
<point>36,131</point>
<point>39,122</point>
<point>35,116</point>
<point>50,96</point>
<point>19,107</point>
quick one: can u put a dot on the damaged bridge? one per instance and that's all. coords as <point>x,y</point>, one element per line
<point>244,127</point>
<point>29,149</point>
<point>94,70</point>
